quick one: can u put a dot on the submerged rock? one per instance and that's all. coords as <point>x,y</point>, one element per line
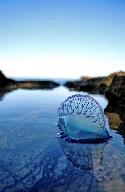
<point>82,118</point>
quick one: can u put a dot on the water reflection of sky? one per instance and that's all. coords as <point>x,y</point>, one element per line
<point>33,158</point>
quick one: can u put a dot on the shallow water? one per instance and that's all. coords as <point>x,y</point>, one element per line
<point>33,157</point>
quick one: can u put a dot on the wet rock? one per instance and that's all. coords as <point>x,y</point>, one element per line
<point>116,106</point>
<point>114,120</point>
<point>116,92</point>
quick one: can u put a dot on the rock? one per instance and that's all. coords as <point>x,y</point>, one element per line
<point>107,81</point>
<point>29,84</point>
<point>97,85</point>
<point>114,120</point>
<point>116,106</point>
<point>4,81</point>
<point>80,85</point>
<point>116,92</point>
<point>8,85</point>
<point>90,85</point>
<point>37,84</point>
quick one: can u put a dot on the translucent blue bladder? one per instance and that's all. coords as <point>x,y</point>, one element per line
<point>82,118</point>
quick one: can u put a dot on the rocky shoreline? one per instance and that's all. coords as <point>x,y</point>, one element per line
<point>7,85</point>
<point>10,84</point>
<point>96,85</point>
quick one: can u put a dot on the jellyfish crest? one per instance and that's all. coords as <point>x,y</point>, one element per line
<point>82,117</point>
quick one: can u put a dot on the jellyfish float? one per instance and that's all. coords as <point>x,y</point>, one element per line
<point>81,118</point>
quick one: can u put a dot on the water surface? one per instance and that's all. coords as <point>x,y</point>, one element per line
<point>33,158</point>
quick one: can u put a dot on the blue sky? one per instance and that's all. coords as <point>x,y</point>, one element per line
<point>62,38</point>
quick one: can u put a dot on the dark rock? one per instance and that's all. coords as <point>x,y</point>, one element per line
<point>97,85</point>
<point>8,85</point>
<point>87,85</point>
<point>116,92</point>
<point>116,97</point>
<point>79,85</point>
<point>102,88</point>
<point>4,81</point>
<point>106,82</point>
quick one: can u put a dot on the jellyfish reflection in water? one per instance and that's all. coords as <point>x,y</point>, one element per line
<point>84,156</point>
<point>82,118</point>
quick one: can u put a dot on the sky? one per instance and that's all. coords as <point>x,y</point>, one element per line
<point>62,38</point>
